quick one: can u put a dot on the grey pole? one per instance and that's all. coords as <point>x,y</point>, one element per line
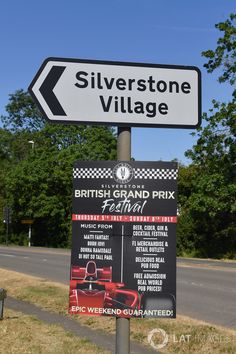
<point>123,324</point>
<point>124,144</point>
<point>29,240</point>
<point>7,232</point>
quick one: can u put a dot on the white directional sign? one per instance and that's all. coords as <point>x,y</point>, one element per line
<point>117,93</point>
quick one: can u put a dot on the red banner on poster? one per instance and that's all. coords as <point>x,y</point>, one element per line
<point>124,218</point>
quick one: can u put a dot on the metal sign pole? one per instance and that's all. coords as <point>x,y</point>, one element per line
<point>123,324</point>
<point>7,232</point>
<point>7,220</point>
<point>29,240</point>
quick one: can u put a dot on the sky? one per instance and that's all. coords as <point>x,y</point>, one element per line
<point>147,31</point>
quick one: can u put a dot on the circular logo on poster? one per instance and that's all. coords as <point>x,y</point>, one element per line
<point>123,173</point>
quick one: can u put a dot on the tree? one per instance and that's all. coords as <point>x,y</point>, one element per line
<point>38,183</point>
<point>22,113</point>
<point>224,55</point>
<point>210,207</point>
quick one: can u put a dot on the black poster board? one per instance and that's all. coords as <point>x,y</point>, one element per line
<point>123,259</point>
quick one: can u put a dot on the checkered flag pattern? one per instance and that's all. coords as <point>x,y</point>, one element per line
<point>152,173</point>
<point>92,172</point>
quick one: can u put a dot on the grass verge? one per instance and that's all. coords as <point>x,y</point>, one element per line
<point>185,335</point>
<point>23,334</point>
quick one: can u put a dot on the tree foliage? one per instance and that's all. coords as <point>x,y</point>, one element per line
<point>209,204</point>
<point>22,113</point>
<point>223,56</point>
<point>37,180</point>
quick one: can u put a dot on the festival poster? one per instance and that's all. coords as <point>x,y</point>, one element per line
<point>123,258</point>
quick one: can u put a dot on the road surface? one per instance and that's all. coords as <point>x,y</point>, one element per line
<point>206,290</point>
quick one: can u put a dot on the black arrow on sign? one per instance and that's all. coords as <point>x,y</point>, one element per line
<point>47,87</point>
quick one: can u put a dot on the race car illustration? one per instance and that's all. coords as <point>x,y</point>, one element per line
<point>92,287</point>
